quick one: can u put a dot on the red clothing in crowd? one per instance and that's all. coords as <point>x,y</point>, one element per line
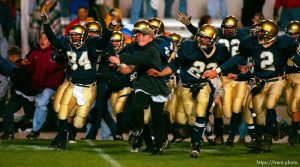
<point>75,21</point>
<point>289,4</point>
<point>46,73</point>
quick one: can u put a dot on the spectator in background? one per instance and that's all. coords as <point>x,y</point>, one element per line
<point>114,14</point>
<point>128,35</point>
<point>5,68</point>
<point>206,19</point>
<point>47,76</point>
<point>52,8</point>
<point>290,11</point>
<point>257,18</point>
<point>82,18</point>
<point>136,11</point>
<point>3,93</point>
<point>27,8</point>
<point>22,94</point>
<point>168,7</point>
<point>64,9</point>
<point>6,25</point>
<point>217,9</point>
<point>250,8</point>
<point>74,5</point>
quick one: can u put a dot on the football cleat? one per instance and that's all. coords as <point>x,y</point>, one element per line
<point>33,135</point>
<point>256,147</point>
<point>195,150</point>
<point>71,138</point>
<point>267,143</point>
<point>293,140</point>
<point>7,136</point>
<point>219,140</point>
<point>229,142</point>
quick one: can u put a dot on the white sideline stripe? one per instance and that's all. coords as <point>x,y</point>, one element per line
<point>104,155</point>
<point>18,147</point>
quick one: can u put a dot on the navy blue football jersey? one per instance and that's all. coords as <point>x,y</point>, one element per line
<point>165,48</point>
<point>232,44</point>
<point>271,61</point>
<point>291,66</point>
<point>119,80</point>
<point>194,61</point>
<point>82,61</point>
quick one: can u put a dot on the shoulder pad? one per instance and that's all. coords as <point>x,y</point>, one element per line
<point>187,47</point>
<point>247,42</point>
<point>285,41</point>
<point>219,30</point>
<point>168,39</point>
<point>242,32</point>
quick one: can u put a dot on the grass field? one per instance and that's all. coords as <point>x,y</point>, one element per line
<point>24,153</point>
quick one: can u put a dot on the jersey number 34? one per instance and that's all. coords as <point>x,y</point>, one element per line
<point>82,61</point>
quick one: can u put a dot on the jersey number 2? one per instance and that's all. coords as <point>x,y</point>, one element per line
<point>267,61</point>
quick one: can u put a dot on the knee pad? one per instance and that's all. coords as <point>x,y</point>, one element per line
<point>261,118</point>
<point>79,121</point>
<point>63,112</point>
<point>191,120</point>
<point>147,115</point>
<point>295,104</point>
<point>227,112</point>
<point>218,111</point>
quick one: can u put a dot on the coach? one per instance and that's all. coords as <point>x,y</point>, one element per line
<point>149,91</point>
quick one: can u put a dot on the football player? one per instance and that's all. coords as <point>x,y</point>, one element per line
<point>120,83</point>
<point>194,58</point>
<point>292,90</point>
<point>172,103</point>
<point>100,111</point>
<point>235,88</point>
<point>269,53</point>
<point>80,91</point>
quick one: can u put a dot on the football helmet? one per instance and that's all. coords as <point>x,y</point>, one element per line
<point>177,38</point>
<point>229,26</point>
<point>267,31</point>
<point>293,29</point>
<point>141,24</point>
<point>204,32</point>
<point>78,35</point>
<point>117,39</point>
<point>157,25</point>
<point>94,26</point>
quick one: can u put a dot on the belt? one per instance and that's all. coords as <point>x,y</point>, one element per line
<point>185,86</point>
<point>269,80</point>
<point>191,85</point>
<point>84,85</point>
